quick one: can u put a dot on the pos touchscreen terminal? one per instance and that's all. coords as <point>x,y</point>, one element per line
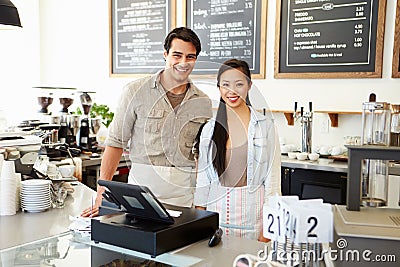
<point>137,201</point>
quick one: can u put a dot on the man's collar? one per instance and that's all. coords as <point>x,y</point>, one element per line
<point>155,80</point>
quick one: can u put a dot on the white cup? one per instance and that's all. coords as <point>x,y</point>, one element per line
<point>325,150</point>
<point>8,170</point>
<point>313,156</point>
<point>66,171</point>
<point>336,150</point>
<point>302,155</point>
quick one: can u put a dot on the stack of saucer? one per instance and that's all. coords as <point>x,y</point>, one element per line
<point>35,195</point>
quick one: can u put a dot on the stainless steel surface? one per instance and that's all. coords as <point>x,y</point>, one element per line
<point>367,223</point>
<point>25,227</point>
<point>369,237</point>
<point>306,130</point>
<point>373,202</point>
<point>306,126</point>
<point>95,124</point>
<point>357,155</point>
<point>319,165</point>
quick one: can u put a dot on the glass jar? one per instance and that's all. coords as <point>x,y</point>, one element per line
<point>375,123</point>
<point>375,131</point>
<point>395,125</point>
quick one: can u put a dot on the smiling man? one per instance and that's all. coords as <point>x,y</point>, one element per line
<point>158,118</point>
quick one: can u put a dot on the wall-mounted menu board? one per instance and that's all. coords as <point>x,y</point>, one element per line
<point>137,32</point>
<point>329,38</point>
<point>396,45</point>
<point>228,29</point>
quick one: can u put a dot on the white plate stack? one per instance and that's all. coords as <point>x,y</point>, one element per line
<point>35,195</point>
<point>8,187</point>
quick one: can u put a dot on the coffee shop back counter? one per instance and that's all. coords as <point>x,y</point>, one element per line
<point>323,178</point>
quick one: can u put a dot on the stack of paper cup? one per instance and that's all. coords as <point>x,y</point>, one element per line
<point>18,192</point>
<point>8,188</point>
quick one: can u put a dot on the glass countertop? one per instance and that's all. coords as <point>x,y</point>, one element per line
<point>70,249</point>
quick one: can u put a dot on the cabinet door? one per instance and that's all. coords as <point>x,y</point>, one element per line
<point>285,180</point>
<point>308,184</point>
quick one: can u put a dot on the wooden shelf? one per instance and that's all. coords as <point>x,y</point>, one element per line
<point>333,115</point>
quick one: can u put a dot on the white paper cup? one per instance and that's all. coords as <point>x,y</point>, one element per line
<point>8,170</point>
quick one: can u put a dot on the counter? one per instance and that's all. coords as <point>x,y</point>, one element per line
<point>326,165</point>
<point>26,227</point>
<point>44,238</point>
<point>318,165</point>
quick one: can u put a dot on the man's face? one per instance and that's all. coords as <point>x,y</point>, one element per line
<point>180,60</point>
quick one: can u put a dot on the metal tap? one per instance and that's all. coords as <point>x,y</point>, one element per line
<point>306,126</point>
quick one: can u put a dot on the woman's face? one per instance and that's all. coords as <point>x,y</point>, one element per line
<point>234,87</point>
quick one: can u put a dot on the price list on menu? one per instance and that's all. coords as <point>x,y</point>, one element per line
<point>138,29</point>
<point>328,36</point>
<point>227,29</point>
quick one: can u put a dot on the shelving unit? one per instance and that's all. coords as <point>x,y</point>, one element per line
<point>333,115</point>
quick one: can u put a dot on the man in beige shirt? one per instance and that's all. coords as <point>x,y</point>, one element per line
<point>158,117</point>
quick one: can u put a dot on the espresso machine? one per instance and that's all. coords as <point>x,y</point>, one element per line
<point>89,127</point>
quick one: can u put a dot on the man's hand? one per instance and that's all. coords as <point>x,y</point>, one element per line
<point>94,210</point>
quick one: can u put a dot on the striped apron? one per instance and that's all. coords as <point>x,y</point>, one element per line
<point>239,208</point>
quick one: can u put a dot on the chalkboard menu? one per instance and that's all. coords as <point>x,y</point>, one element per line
<point>329,38</point>
<point>396,45</point>
<point>229,29</point>
<point>137,32</point>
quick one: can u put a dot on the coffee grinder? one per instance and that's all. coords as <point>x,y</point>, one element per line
<point>66,135</point>
<point>45,99</point>
<point>89,126</point>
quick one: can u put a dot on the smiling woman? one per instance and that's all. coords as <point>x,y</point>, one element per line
<point>239,157</point>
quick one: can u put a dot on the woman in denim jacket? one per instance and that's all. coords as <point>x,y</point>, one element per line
<point>239,157</point>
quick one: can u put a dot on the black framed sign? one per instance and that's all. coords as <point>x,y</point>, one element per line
<point>137,32</point>
<point>396,45</point>
<point>329,39</point>
<point>228,29</point>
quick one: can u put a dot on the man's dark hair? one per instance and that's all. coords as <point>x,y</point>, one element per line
<point>185,34</point>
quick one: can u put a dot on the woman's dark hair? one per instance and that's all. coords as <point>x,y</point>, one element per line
<point>220,134</point>
<point>185,34</point>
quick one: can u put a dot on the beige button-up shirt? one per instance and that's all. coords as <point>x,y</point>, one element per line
<point>155,132</point>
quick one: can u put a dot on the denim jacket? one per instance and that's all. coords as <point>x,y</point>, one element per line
<point>263,159</point>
